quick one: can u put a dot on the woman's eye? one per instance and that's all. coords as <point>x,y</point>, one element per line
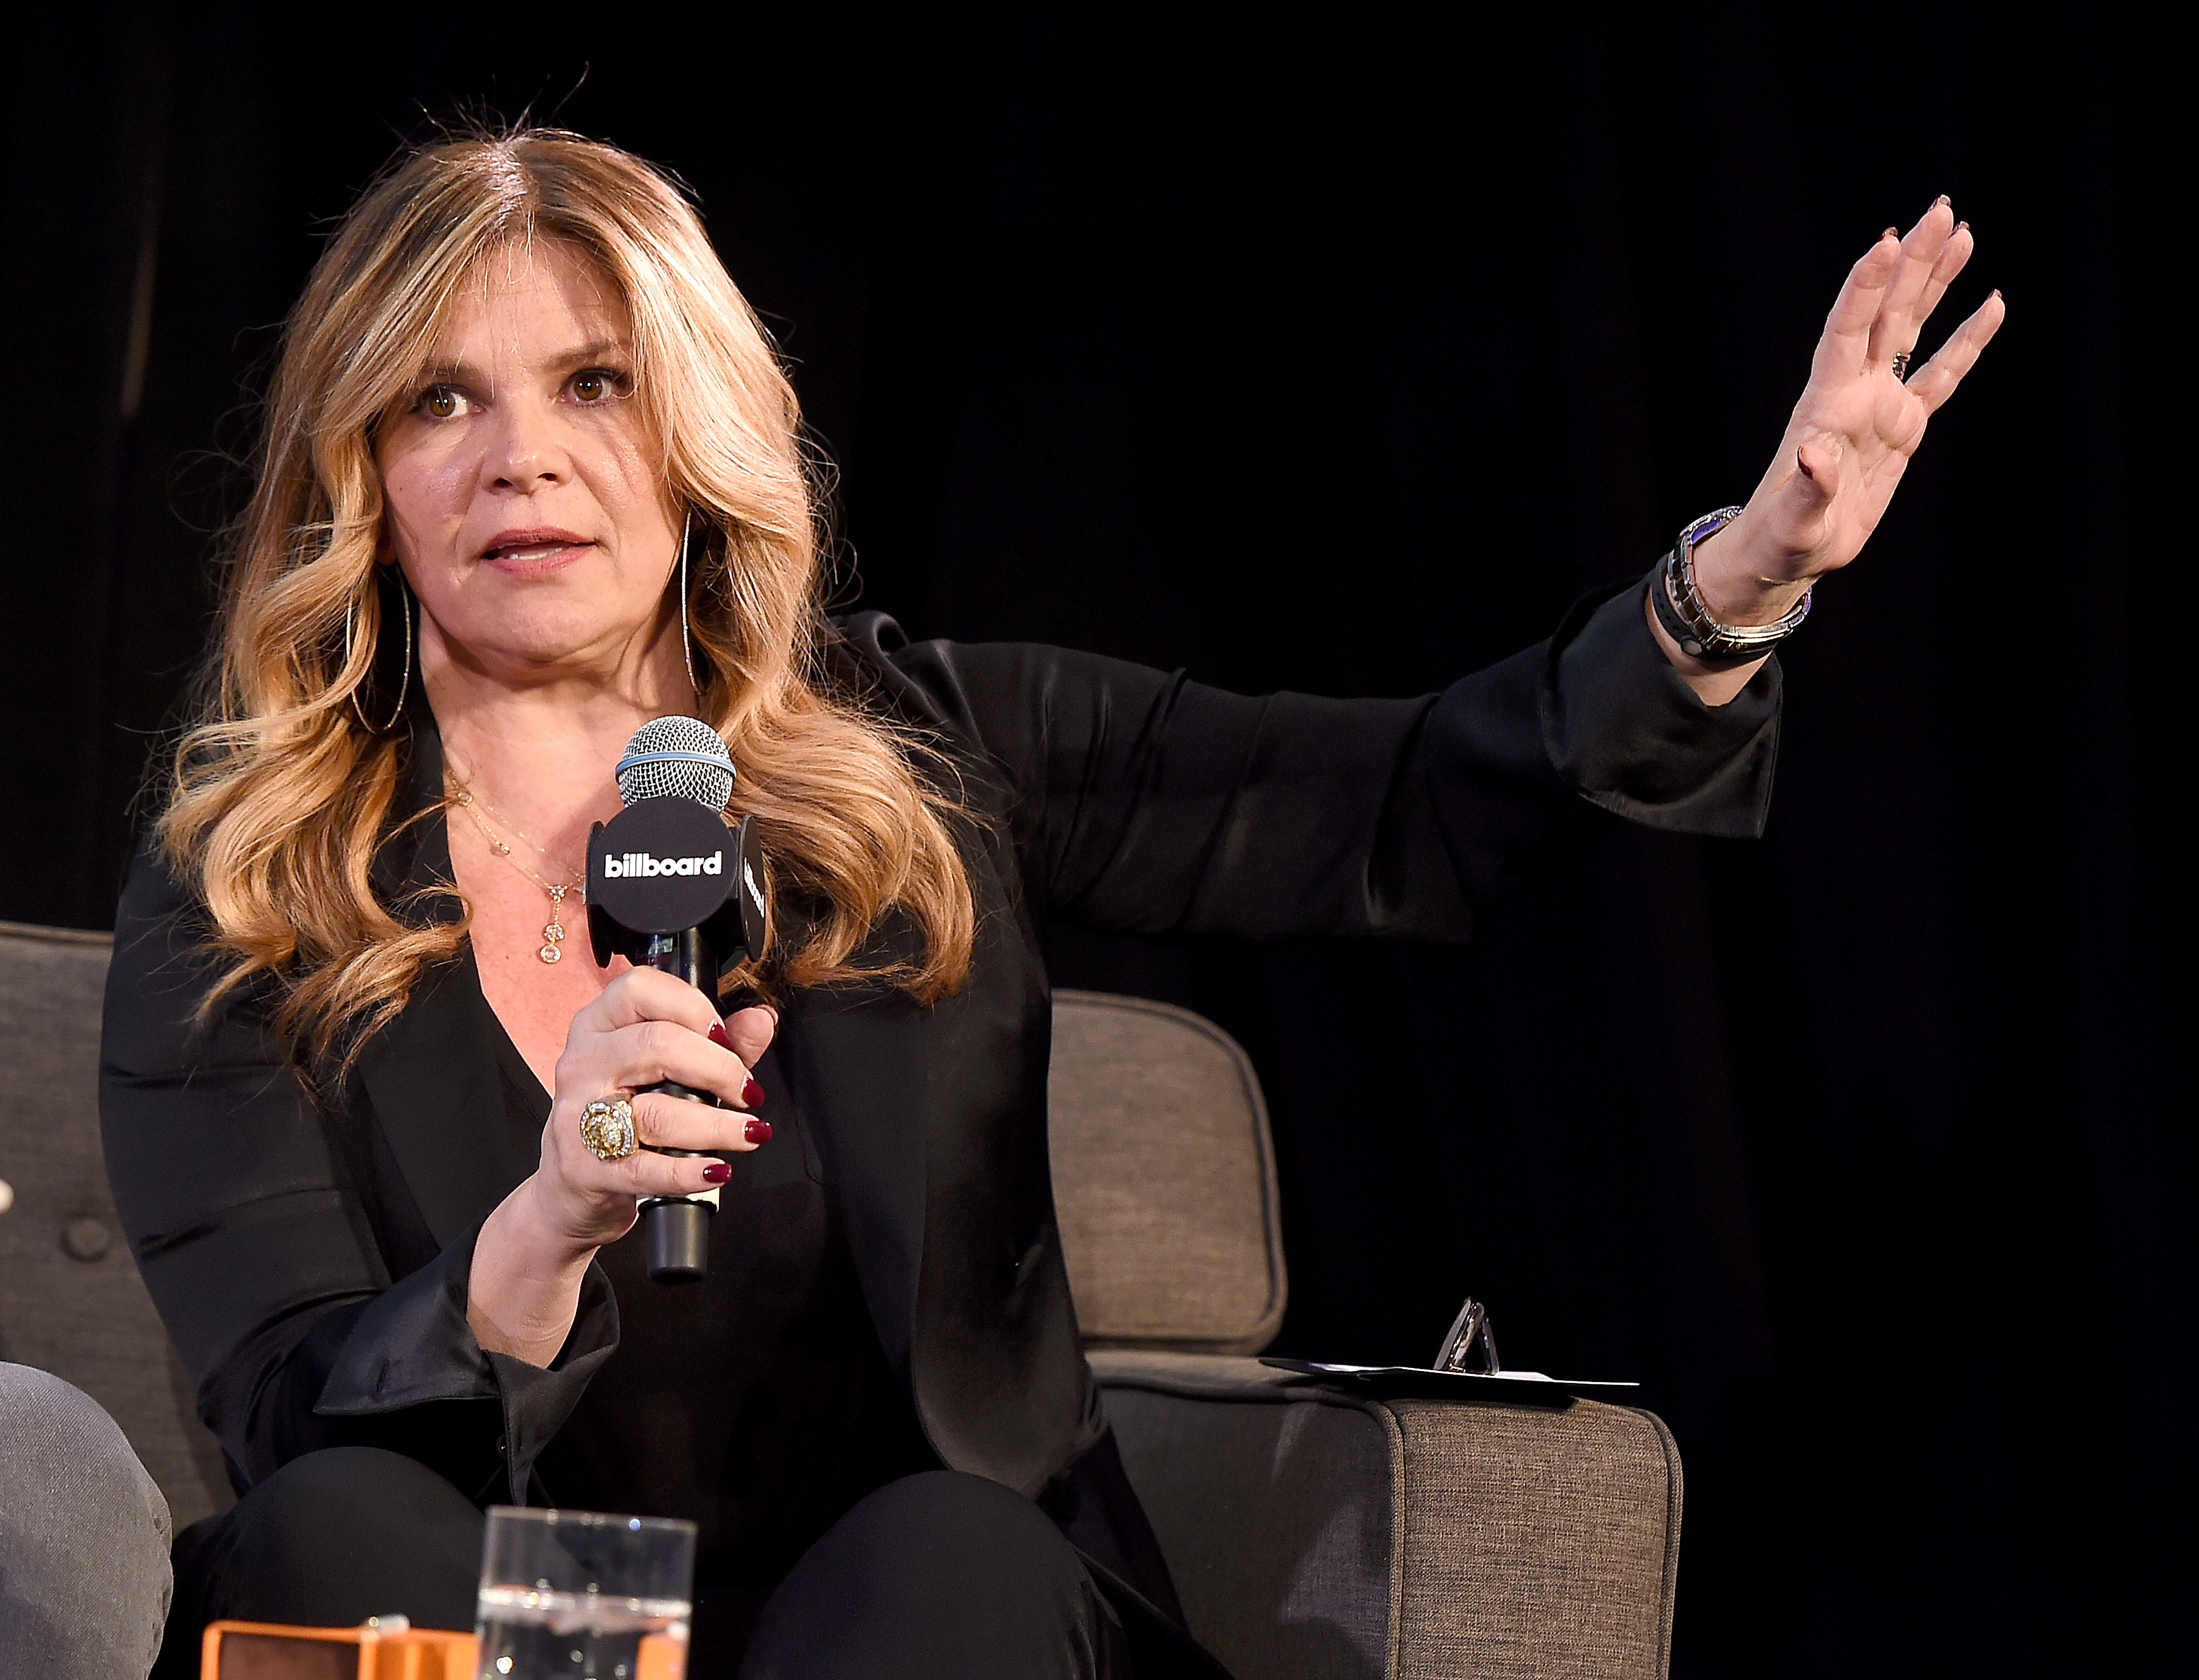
<point>596,385</point>
<point>440,402</point>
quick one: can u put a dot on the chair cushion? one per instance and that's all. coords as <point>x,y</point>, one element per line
<point>1163,1178</point>
<point>71,1301</point>
<point>1545,1542</point>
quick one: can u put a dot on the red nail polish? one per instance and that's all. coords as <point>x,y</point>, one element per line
<point>752,1095</point>
<point>716,1173</point>
<point>757,1131</point>
<point>718,1037</point>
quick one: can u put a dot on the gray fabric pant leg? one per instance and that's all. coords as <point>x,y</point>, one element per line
<point>83,1538</point>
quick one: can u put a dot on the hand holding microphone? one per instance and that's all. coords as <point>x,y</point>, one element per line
<point>672,888</point>
<point>646,1029</point>
<point>648,1035</point>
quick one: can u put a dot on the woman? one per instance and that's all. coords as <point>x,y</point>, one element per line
<point>532,478</point>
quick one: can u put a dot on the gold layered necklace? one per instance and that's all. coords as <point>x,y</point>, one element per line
<point>553,931</point>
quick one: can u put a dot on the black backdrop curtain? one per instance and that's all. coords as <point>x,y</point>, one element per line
<point>1339,350</point>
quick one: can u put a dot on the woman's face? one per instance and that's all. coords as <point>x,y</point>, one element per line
<point>523,501</point>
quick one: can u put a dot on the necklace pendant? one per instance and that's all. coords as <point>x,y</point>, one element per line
<point>553,932</point>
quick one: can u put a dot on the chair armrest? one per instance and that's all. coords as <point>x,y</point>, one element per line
<point>1315,1532</point>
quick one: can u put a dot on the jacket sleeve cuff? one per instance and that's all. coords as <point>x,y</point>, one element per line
<point>413,1346</point>
<point>1626,731</point>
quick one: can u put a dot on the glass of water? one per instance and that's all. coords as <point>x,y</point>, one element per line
<point>579,1595</point>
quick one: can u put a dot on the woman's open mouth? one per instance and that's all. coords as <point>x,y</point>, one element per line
<point>533,552</point>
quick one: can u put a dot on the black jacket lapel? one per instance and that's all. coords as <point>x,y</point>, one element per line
<point>432,1082</point>
<point>856,1060</point>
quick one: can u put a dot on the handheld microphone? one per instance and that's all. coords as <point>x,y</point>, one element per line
<point>671,887</point>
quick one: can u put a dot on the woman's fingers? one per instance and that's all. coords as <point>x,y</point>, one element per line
<point>1792,513</point>
<point>1935,381</point>
<point>592,1199</point>
<point>646,1173</point>
<point>1846,339</point>
<point>748,1032</point>
<point>650,1052</point>
<point>662,1122</point>
<point>1816,482</point>
<point>647,994</point>
<point>649,1028</point>
<point>1952,255</point>
<point>1899,318</point>
<point>658,1028</point>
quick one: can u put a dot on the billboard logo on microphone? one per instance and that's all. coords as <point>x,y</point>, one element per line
<point>635,866</point>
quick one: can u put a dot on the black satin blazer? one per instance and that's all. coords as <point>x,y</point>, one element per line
<point>310,1256</point>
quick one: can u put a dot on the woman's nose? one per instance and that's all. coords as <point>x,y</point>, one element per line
<point>524,450</point>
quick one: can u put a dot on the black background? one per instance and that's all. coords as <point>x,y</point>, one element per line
<point>1340,350</point>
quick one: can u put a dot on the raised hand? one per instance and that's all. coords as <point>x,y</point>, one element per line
<point>1853,431</point>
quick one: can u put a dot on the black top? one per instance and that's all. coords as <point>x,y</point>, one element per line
<point>755,1402</point>
<point>310,1256</point>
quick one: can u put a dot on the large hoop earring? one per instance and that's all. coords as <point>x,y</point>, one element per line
<point>405,680</point>
<point>686,645</point>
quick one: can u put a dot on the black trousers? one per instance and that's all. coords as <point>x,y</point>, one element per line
<point>941,1574</point>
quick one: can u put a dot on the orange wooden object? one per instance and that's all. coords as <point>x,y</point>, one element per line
<point>272,1651</point>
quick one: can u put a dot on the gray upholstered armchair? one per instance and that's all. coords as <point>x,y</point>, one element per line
<point>1312,1532</point>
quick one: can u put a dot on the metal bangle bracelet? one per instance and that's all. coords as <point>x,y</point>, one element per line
<point>1680,608</point>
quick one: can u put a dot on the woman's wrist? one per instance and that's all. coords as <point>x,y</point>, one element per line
<point>524,1286</point>
<point>544,1236</point>
<point>1739,585</point>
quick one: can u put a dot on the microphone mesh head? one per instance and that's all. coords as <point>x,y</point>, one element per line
<point>676,758</point>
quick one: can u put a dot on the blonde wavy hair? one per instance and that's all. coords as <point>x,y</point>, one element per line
<point>282,793</point>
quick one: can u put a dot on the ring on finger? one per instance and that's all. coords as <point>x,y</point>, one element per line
<point>607,1127</point>
<point>1901,364</point>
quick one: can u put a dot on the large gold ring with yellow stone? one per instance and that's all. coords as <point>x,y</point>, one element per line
<point>607,1127</point>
